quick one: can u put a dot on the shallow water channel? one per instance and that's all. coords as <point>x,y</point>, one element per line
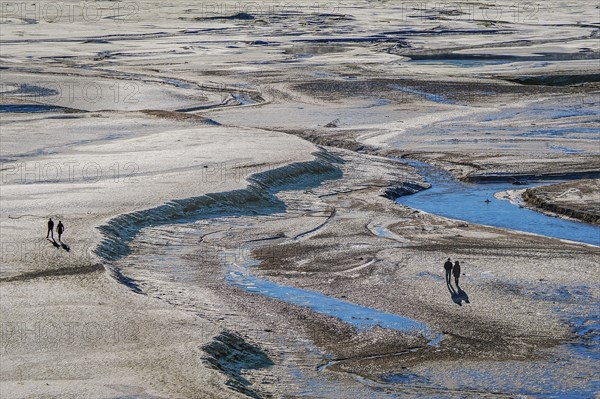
<point>449,198</point>
<point>464,201</point>
<point>467,201</point>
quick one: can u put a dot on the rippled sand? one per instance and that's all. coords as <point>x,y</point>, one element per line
<point>166,135</point>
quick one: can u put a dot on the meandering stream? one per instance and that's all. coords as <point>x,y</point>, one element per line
<point>451,198</point>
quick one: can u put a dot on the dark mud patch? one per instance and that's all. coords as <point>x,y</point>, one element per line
<point>96,41</point>
<point>517,178</point>
<point>25,90</point>
<point>332,139</point>
<point>240,16</point>
<point>395,36</point>
<point>123,279</point>
<point>578,131</point>
<point>315,49</point>
<point>557,80</point>
<point>230,353</point>
<point>233,100</point>
<point>181,116</point>
<point>486,168</point>
<point>59,272</point>
<point>453,57</point>
<point>412,90</point>
<point>276,17</point>
<point>393,193</point>
<point>33,108</point>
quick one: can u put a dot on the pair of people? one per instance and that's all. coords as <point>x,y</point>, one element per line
<point>60,229</point>
<point>450,270</point>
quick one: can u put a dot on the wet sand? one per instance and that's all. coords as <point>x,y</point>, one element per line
<point>386,257</point>
<point>186,147</point>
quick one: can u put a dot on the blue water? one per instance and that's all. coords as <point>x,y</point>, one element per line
<point>563,132</point>
<point>29,108</point>
<point>361,317</point>
<point>429,96</point>
<point>447,195</point>
<point>466,201</point>
<point>454,199</point>
<point>567,150</point>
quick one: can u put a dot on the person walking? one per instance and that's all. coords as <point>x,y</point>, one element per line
<point>50,228</point>
<point>456,272</point>
<point>448,267</point>
<point>60,229</point>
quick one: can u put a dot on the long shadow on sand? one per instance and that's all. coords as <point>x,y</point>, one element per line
<point>54,243</point>
<point>59,244</point>
<point>458,296</point>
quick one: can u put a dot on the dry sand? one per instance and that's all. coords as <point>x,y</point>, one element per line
<point>60,310</point>
<point>129,120</point>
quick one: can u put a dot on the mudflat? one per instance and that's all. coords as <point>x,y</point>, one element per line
<point>230,177</point>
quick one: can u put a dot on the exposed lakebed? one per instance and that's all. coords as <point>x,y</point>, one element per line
<point>474,378</point>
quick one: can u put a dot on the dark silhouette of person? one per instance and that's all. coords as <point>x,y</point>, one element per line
<point>456,272</point>
<point>448,267</point>
<point>60,229</point>
<point>50,228</point>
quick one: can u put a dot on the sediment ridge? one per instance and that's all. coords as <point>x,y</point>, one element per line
<point>552,199</point>
<point>119,231</point>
